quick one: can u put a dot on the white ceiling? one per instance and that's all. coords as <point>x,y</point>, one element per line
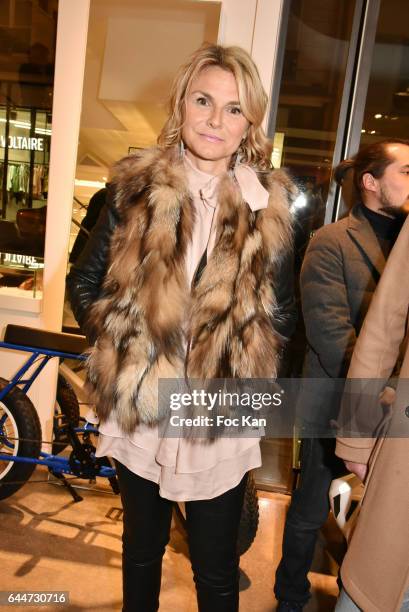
<point>134,48</point>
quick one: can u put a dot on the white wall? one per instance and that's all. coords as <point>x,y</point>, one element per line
<point>264,48</point>
<point>237,23</point>
<point>253,25</point>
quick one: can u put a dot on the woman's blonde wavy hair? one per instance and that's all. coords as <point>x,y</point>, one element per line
<point>256,148</point>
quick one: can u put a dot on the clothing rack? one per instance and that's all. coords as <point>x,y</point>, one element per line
<point>16,162</point>
<point>7,162</point>
<point>25,180</point>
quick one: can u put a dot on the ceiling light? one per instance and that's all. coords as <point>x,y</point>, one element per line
<point>43,131</point>
<point>378,116</point>
<point>363,131</point>
<point>96,184</point>
<point>372,132</point>
<point>21,125</point>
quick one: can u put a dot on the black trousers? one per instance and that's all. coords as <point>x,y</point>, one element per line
<point>212,527</point>
<point>307,513</point>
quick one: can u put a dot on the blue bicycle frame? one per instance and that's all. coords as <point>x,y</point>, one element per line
<point>57,464</point>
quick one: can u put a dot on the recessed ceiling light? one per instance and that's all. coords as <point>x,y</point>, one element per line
<point>83,183</point>
<point>378,116</point>
<point>363,131</point>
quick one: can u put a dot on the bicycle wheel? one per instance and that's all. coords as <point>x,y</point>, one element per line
<point>20,435</point>
<point>67,412</point>
<point>248,520</point>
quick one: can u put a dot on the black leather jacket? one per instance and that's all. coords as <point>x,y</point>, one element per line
<point>86,276</point>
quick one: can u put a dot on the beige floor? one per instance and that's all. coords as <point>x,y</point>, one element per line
<point>49,543</point>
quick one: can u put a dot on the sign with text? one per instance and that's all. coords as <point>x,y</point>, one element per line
<point>23,143</point>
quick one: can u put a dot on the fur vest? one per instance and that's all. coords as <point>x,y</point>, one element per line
<point>147,314</point>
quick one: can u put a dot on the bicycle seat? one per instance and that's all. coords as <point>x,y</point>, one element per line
<point>49,340</point>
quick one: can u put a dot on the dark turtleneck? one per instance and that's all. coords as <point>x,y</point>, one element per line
<point>386,228</point>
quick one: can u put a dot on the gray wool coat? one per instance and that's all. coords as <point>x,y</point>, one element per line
<point>341,270</point>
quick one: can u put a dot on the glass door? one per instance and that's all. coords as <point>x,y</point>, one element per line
<point>319,44</point>
<point>380,103</point>
<point>27,59</point>
<point>386,106</point>
<point>344,82</point>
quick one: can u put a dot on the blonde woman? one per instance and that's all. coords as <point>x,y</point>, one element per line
<point>187,272</point>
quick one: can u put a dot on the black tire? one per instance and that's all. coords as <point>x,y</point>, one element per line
<point>66,412</point>
<point>18,419</point>
<point>248,520</point>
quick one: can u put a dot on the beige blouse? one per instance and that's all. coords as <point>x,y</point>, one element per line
<point>186,470</point>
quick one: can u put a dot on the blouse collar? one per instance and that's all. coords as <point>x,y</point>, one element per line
<point>206,185</point>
